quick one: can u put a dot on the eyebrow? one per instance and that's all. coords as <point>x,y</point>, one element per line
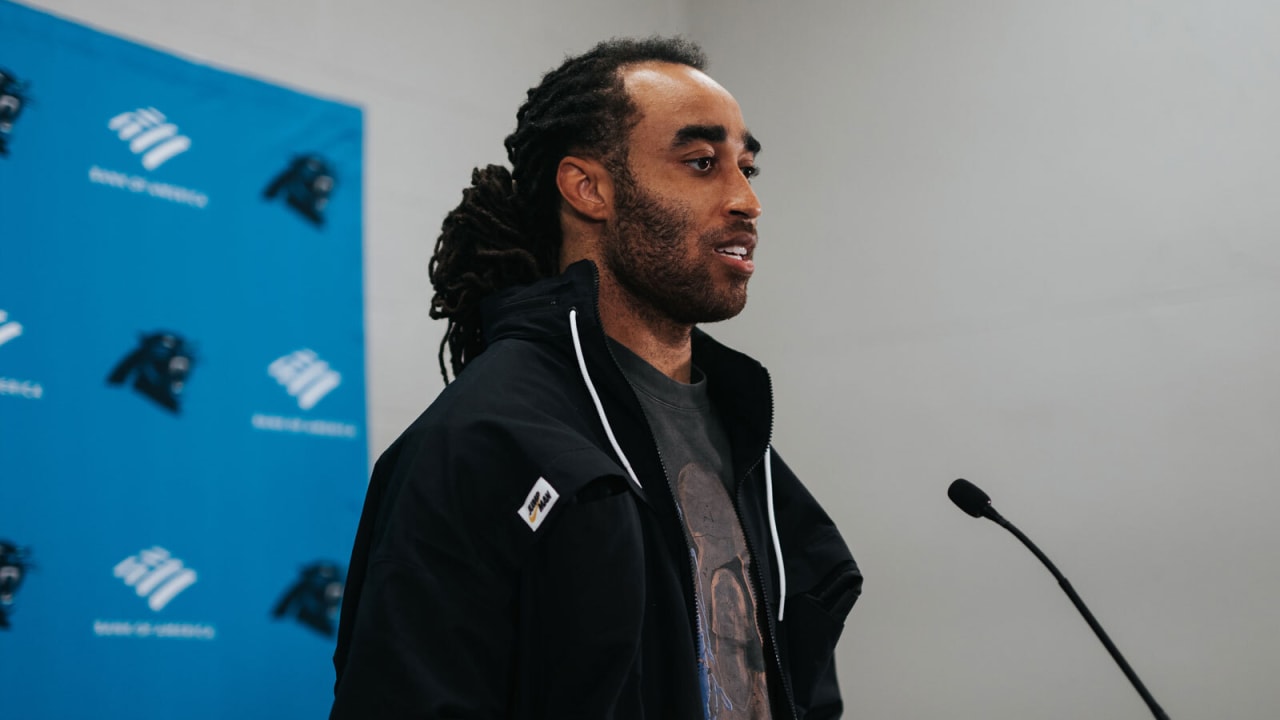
<point>711,133</point>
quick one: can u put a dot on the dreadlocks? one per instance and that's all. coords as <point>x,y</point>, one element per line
<point>506,230</point>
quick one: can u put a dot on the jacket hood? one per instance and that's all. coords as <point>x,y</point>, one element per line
<point>537,310</point>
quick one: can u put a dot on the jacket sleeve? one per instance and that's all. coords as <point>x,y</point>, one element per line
<point>823,582</point>
<point>825,702</point>
<point>427,622</point>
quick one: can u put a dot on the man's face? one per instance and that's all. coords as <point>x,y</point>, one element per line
<point>683,233</point>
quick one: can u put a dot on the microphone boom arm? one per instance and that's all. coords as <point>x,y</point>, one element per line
<point>990,513</point>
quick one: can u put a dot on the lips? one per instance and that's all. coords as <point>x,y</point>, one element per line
<point>739,245</point>
<point>737,250</point>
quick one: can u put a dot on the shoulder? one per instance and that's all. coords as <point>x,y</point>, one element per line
<point>517,385</point>
<point>515,414</point>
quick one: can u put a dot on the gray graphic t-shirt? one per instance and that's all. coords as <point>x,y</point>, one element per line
<point>695,453</point>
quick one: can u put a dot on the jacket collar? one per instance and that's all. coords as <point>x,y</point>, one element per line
<point>537,311</point>
<point>739,386</point>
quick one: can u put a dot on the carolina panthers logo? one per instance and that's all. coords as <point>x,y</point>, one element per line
<point>159,367</point>
<point>314,599</point>
<point>14,564</point>
<point>306,184</point>
<point>13,98</point>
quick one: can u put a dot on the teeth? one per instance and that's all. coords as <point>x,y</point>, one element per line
<point>736,251</point>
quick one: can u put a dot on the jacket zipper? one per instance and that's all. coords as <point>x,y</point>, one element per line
<point>684,535</point>
<point>755,571</point>
<point>684,532</point>
<point>700,645</point>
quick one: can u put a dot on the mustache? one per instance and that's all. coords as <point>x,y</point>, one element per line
<point>736,227</point>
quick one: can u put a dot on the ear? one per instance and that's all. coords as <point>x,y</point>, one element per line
<point>586,186</point>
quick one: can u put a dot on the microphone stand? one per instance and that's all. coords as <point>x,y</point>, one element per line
<point>990,513</point>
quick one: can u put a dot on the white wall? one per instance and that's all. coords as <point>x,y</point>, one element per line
<point>1029,243</point>
<point>1036,245</point>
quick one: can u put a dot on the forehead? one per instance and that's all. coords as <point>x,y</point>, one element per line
<point>670,97</point>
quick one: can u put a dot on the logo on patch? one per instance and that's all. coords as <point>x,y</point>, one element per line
<point>539,502</point>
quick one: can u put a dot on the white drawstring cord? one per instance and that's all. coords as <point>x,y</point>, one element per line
<point>582,366</point>
<point>608,431</point>
<point>773,529</point>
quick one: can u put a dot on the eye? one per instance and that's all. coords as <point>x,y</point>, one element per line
<point>701,164</point>
<point>750,171</point>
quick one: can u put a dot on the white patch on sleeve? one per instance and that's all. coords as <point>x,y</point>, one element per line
<point>539,502</point>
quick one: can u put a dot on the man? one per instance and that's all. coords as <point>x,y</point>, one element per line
<point>588,521</point>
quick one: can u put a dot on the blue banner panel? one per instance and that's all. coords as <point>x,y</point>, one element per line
<point>183,449</point>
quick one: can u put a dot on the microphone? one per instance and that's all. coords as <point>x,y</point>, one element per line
<point>970,498</point>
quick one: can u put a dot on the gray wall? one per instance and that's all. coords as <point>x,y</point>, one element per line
<point>1036,245</point>
<point>1028,243</point>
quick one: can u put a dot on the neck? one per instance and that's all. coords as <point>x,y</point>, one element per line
<point>663,343</point>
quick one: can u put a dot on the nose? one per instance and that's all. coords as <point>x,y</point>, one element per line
<point>742,201</point>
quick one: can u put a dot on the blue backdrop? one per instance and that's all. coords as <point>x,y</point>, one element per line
<point>182,420</point>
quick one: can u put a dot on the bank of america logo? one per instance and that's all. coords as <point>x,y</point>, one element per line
<point>8,330</point>
<point>150,135</point>
<point>155,575</point>
<point>307,378</point>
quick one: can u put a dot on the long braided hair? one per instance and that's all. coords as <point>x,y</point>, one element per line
<point>506,230</point>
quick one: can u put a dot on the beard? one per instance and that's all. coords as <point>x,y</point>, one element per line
<point>647,250</point>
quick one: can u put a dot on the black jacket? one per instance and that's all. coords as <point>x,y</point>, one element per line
<point>456,608</point>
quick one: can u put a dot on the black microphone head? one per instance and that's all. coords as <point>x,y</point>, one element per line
<point>969,497</point>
